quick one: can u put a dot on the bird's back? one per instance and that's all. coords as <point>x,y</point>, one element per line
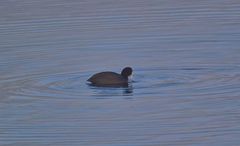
<point>107,78</point>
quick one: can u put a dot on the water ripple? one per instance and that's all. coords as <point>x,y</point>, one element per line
<point>165,82</point>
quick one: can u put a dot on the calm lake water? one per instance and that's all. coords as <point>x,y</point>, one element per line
<point>186,82</point>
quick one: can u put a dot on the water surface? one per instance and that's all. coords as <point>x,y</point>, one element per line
<point>186,61</point>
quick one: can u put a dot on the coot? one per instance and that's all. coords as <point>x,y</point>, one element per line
<point>111,79</point>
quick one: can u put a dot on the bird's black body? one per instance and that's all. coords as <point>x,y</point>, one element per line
<point>111,78</point>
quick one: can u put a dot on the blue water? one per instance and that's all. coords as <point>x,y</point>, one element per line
<point>186,61</point>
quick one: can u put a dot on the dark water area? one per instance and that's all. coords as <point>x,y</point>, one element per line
<point>186,81</point>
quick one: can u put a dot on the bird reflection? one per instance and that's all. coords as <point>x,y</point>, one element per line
<point>111,91</point>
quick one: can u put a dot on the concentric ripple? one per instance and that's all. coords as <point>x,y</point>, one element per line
<point>220,81</point>
<point>188,81</point>
<point>48,86</point>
